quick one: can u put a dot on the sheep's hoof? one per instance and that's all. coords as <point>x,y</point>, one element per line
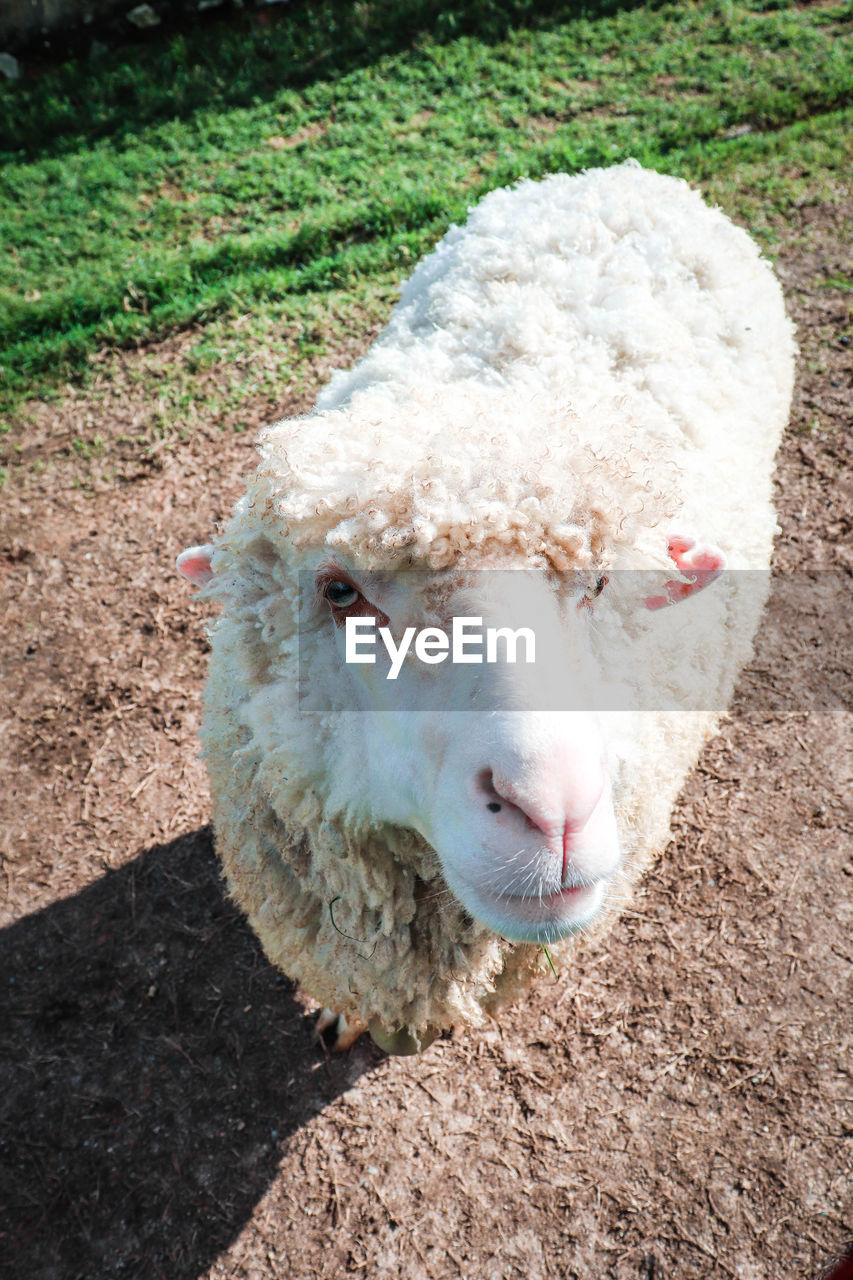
<point>346,1033</point>
<point>400,1041</point>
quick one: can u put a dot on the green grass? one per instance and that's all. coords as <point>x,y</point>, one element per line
<point>264,173</point>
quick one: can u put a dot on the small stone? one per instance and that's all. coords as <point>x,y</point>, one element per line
<point>738,131</point>
<point>143,16</point>
<point>10,67</point>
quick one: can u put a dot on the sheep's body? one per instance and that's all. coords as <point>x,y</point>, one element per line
<point>588,365</point>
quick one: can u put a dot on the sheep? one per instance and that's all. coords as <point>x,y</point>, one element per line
<point>569,420</point>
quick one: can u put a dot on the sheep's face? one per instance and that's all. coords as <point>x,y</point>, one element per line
<point>470,706</point>
<point>516,800</point>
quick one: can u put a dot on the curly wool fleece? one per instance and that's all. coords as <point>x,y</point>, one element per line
<point>587,359</point>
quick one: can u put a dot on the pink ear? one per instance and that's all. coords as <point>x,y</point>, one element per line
<point>701,563</point>
<point>194,563</point>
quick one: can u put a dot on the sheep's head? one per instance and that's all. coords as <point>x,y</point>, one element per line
<point>462,704</point>
<point>506,769</point>
<point>444,706</point>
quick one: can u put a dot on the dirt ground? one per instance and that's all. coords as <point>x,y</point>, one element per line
<point>676,1105</point>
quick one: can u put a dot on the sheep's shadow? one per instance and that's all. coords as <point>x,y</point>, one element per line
<point>152,1066</point>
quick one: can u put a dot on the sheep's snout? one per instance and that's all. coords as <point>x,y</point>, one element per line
<point>558,801</point>
<point>561,813</point>
<point>528,841</point>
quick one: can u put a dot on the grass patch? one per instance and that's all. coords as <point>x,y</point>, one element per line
<point>326,152</point>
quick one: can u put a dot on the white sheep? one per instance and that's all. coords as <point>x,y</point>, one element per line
<point>590,377</point>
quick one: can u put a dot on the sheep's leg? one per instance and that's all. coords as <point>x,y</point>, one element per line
<point>346,1032</point>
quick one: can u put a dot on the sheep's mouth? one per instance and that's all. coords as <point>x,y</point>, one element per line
<point>546,918</point>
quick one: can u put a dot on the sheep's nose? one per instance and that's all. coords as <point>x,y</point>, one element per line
<point>558,801</point>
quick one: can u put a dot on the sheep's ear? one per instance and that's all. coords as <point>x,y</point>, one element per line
<point>194,563</point>
<point>700,563</point>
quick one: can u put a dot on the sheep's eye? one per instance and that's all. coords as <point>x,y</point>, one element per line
<point>587,598</point>
<point>341,595</point>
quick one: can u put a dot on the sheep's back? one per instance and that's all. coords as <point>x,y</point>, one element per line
<point>618,284</point>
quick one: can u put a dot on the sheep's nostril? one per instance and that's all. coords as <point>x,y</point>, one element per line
<point>496,801</point>
<point>485,781</point>
<point>485,784</point>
